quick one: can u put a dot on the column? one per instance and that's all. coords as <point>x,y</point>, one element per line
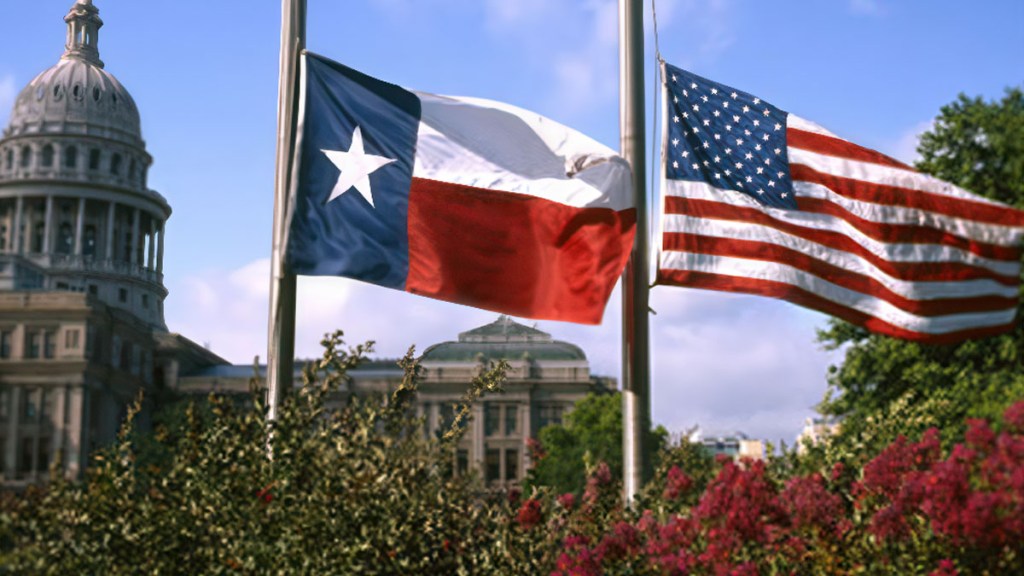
<point>58,421</point>
<point>476,434</point>
<point>75,446</point>
<point>132,256</point>
<point>47,225</point>
<point>110,231</point>
<point>160,249</point>
<point>79,226</point>
<point>151,244</point>
<point>19,207</point>
<point>10,463</point>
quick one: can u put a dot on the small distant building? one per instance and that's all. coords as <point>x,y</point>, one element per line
<point>815,430</point>
<point>546,377</point>
<point>736,445</point>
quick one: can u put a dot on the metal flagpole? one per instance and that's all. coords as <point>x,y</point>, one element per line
<point>281,336</point>
<point>636,403</point>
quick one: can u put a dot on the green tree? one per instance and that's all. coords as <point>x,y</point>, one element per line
<point>592,433</point>
<point>885,386</point>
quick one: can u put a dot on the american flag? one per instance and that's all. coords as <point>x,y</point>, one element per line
<point>759,201</point>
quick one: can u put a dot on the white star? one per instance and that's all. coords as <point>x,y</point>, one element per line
<point>675,99</point>
<point>734,95</point>
<point>728,127</point>
<point>739,165</point>
<point>693,85</point>
<point>778,126</point>
<point>675,119</point>
<point>778,151</point>
<point>706,144</point>
<point>757,122</point>
<point>778,174</point>
<point>748,156</point>
<point>704,98</point>
<point>675,164</point>
<point>695,165</point>
<point>696,130</point>
<point>673,77</point>
<point>725,104</point>
<point>771,183</point>
<point>757,147</point>
<point>727,172</point>
<point>707,122</point>
<point>356,167</point>
<point>760,170</point>
<point>696,108</point>
<point>757,100</point>
<point>718,158</point>
<point>714,90</point>
<point>736,119</point>
<point>675,141</point>
<point>746,109</point>
<point>717,113</point>
<point>739,141</point>
<point>728,150</point>
<point>765,137</point>
<point>766,112</point>
<point>685,153</point>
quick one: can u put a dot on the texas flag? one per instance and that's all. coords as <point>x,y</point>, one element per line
<point>460,199</point>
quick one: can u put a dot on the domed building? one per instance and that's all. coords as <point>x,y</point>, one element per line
<point>545,379</point>
<point>82,326</point>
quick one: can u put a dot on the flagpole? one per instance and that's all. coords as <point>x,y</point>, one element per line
<point>281,330</point>
<point>636,404</point>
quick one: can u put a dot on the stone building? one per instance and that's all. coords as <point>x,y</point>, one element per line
<point>81,264</point>
<point>545,379</point>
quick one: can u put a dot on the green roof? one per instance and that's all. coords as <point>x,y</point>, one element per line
<point>503,339</point>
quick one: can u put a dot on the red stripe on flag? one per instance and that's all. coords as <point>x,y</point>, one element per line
<point>932,270</point>
<point>810,300</point>
<point>838,147</point>
<point>762,251</point>
<point>908,233</point>
<point>515,254</point>
<point>910,198</point>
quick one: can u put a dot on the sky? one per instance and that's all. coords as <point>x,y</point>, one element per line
<point>204,76</point>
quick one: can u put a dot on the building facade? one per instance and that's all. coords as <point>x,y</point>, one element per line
<point>546,377</point>
<point>82,328</point>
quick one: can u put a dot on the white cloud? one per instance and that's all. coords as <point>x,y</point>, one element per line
<point>724,361</point>
<point>904,148</point>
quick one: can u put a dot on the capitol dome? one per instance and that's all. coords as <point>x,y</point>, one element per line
<point>77,95</point>
<point>76,213</point>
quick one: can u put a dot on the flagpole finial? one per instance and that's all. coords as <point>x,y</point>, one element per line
<point>84,23</point>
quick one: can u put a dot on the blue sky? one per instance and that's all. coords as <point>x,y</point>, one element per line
<point>204,75</point>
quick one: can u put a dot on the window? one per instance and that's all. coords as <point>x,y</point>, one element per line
<point>511,420</point>
<point>49,343</point>
<point>122,295</point>
<point>64,238</point>
<point>550,414</point>
<point>38,233</point>
<point>461,461</point>
<point>94,159</point>
<point>33,343</point>
<point>145,300</point>
<point>71,338</point>
<point>71,157</point>
<point>115,164</point>
<point>126,356</point>
<point>3,237</point>
<point>511,464</point>
<point>10,158</point>
<point>25,457</point>
<point>492,416</point>
<point>89,241</point>
<point>26,156</point>
<point>115,350</point>
<point>492,464</point>
<point>46,403</point>
<point>29,405</point>
<point>47,156</point>
<point>136,360</point>
<point>94,289</point>
<point>5,342</point>
<point>43,454</point>
<point>5,405</point>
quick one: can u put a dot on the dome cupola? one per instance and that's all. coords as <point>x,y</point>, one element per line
<point>77,95</point>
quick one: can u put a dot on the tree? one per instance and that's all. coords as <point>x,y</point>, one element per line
<point>905,387</point>
<point>592,433</point>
